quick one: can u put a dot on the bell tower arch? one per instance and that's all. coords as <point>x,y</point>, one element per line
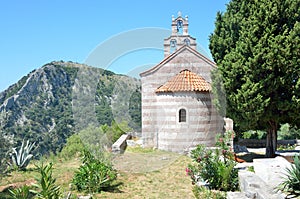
<point>179,36</point>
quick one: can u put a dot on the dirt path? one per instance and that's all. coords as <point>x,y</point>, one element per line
<point>144,162</point>
<point>152,175</point>
<point>17,185</point>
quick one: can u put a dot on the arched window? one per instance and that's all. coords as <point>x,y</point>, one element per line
<point>187,42</point>
<point>182,115</point>
<point>173,45</point>
<point>179,27</point>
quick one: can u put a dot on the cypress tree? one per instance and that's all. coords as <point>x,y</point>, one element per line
<point>256,45</point>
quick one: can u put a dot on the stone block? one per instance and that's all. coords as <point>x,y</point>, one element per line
<point>236,195</point>
<point>253,185</point>
<point>288,154</point>
<point>240,149</point>
<point>271,170</point>
<point>120,145</point>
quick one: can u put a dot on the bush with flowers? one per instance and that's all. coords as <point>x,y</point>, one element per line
<point>214,167</point>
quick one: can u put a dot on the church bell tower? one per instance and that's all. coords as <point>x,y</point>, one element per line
<point>179,36</point>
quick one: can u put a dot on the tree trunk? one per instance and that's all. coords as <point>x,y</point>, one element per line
<point>271,144</point>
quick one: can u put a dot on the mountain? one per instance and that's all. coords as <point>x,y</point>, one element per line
<point>61,98</point>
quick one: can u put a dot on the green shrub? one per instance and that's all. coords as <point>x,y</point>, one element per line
<point>214,166</point>
<point>251,169</point>
<point>97,139</point>
<point>93,175</point>
<point>286,132</point>
<point>20,193</point>
<point>46,187</point>
<point>72,148</point>
<point>6,143</point>
<point>116,130</point>
<point>251,134</point>
<point>286,147</point>
<point>291,182</point>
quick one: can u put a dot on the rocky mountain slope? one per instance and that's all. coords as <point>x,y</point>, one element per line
<point>60,98</point>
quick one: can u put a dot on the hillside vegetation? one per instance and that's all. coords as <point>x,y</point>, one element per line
<point>61,98</point>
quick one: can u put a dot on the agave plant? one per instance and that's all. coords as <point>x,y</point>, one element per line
<point>22,157</point>
<point>22,192</point>
<point>291,182</point>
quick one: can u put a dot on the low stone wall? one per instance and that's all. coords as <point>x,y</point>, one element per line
<point>253,143</point>
<point>120,145</point>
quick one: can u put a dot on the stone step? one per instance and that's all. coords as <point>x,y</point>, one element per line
<point>254,187</point>
<point>236,195</point>
<point>262,184</point>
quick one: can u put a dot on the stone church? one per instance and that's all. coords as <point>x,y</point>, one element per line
<point>177,108</point>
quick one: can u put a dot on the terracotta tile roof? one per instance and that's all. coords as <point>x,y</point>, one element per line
<point>185,81</point>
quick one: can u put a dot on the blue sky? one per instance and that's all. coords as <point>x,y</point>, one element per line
<point>35,32</point>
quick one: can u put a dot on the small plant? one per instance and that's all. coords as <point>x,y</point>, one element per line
<point>291,182</point>
<point>22,157</point>
<point>45,187</point>
<point>286,147</point>
<point>22,192</point>
<point>93,175</point>
<point>251,169</point>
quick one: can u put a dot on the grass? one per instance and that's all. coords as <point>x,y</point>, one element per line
<point>167,181</point>
<point>139,149</point>
<point>204,193</point>
<point>62,171</point>
<point>139,160</point>
<point>142,174</point>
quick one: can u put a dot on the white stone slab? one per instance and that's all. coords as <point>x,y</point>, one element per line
<point>271,170</point>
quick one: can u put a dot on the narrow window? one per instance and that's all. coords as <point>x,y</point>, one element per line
<point>187,42</point>
<point>182,115</point>
<point>179,27</point>
<point>173,45</point>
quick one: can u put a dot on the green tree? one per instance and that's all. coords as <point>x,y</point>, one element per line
<point>73,147</point>
<point>95,140</point>
<point>135,109</point>
<point>6,143</point>
<point>256,47</point>
<point>118,129</point>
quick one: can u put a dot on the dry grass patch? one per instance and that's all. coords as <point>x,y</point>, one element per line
<point>142,174</point>
<point>156,174</point>
<point>139,162</point>
<point>62,171</point>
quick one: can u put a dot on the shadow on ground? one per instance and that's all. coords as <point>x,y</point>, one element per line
<point>248,157</point>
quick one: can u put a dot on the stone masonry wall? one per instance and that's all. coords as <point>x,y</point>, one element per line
<point>159,111</point>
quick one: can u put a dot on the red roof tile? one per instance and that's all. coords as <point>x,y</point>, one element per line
<point>185,81</point>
